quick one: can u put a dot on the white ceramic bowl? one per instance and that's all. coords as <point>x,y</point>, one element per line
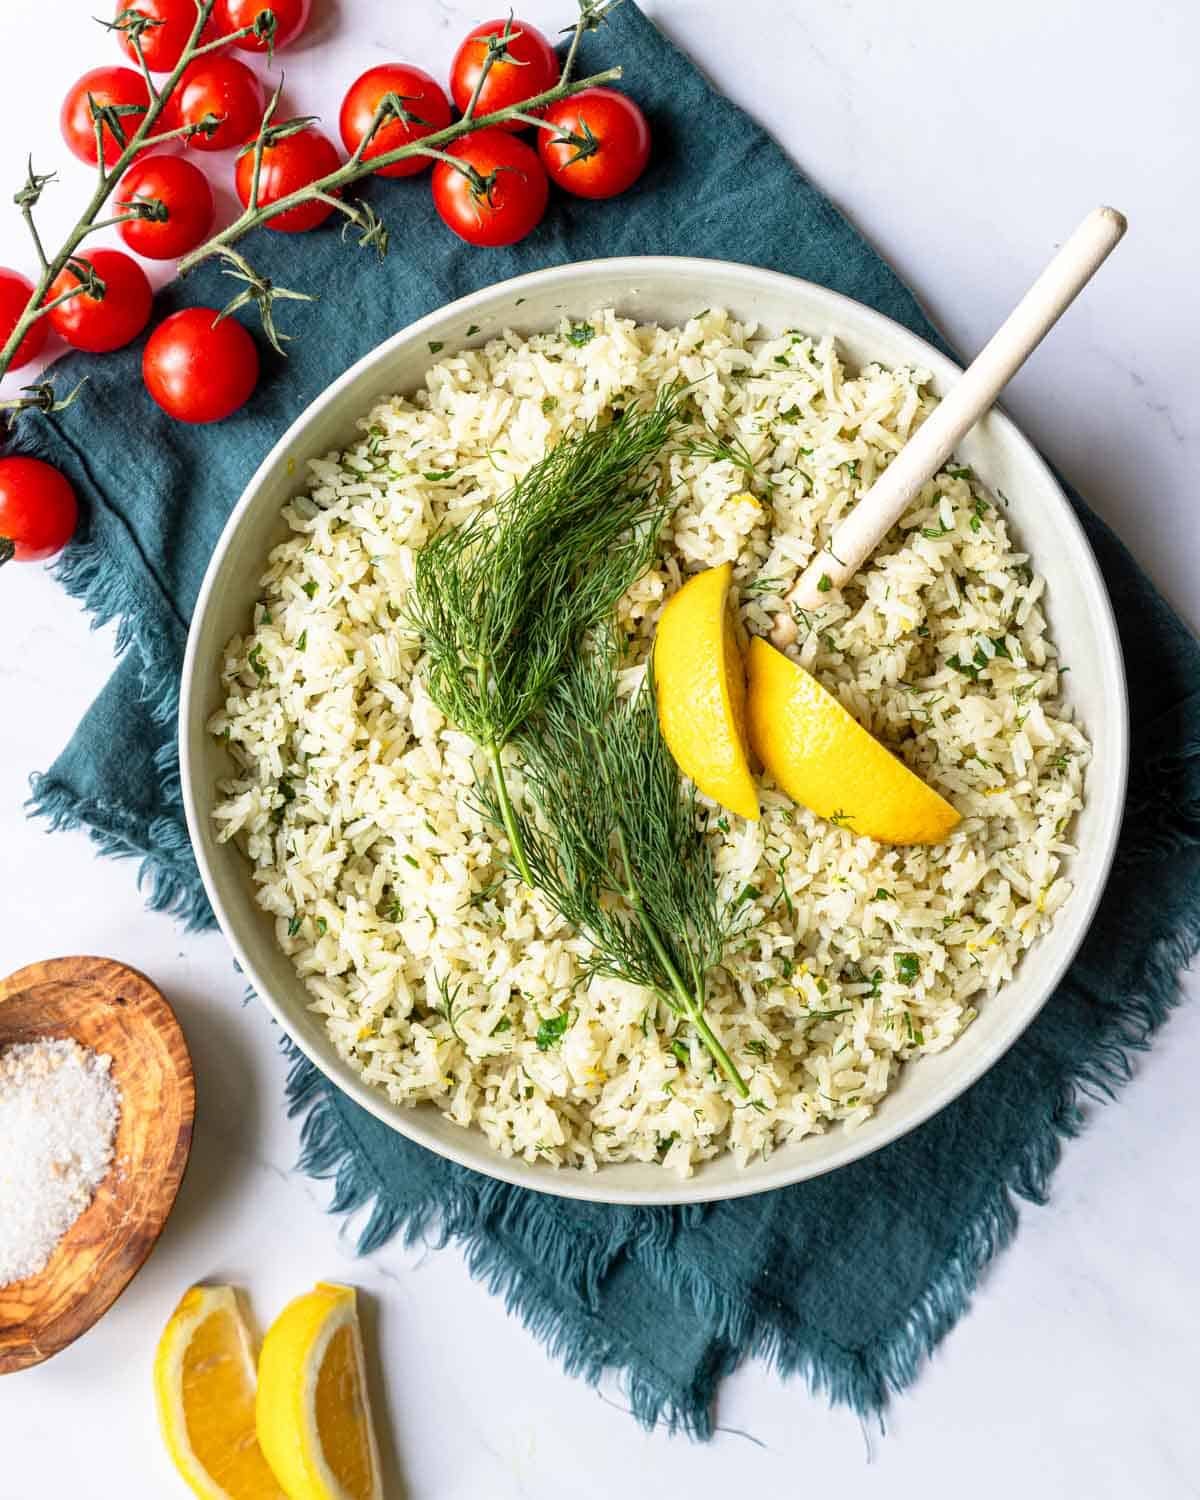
<point>668,290</point>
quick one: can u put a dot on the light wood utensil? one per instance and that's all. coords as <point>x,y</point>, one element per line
<point>857,535</point>
<point>109,1008</point>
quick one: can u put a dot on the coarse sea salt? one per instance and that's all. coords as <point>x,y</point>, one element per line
<point>59,1109</point>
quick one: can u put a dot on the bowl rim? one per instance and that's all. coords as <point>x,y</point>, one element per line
<point>476,1153</point>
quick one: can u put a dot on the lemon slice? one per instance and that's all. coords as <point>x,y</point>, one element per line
<point>701,688</point>
<point>204,1386</point>
<point>314,1422</point>
<point>823,758</point>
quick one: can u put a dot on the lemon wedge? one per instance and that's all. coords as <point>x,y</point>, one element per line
<point>701,690</point>
<point>314,1421</point>
<point>823,758</point>
<point>204,1386</point>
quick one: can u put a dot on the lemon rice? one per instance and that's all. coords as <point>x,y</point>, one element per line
<point>442,981</point>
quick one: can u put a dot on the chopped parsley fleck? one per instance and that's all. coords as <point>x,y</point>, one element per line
<point>882,895</point>
<point>474,328</point>
<point>294,925</point>
<point>934,532</point>
<point>579,334</point>
<point>759,1048</point>
<point>410,860</point>
<point>503,1024</point>
<point>782,359</point>
<point>908,967</point>
<point>961,473</point>
<point>824,583</point>
<point>851,468</point>
<point>255,659</point>
<point>549,404</point>
<point>436,346</point>
<point>435,476</point>
<point>302,640</point>
<point>970,668</point>
<point>747,893</point>
<point>681,1052</point>
<point>551,1030</point>
<point>322,926</point>
<point>791,415</point>
<point>310,588</point>
<point>665,1142</point>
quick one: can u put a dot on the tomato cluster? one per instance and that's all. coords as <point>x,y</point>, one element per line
<point>491,188</point>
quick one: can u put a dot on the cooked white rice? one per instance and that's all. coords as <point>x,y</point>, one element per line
<point>352,798</point>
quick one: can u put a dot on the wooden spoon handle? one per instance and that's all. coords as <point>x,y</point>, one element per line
<point>858,534</point>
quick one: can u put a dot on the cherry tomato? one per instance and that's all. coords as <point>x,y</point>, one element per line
<point>15,291</point>
<point>162,45</point>
<point>289,164</point>
<point>198,369</point>
<point>221,86</point>
<point>182,188</point>
<point>600,144</point>
<point>527,65</point>
<point>503,200</point>
<point>419,94</point>
<point>106,86</point>
<point>100,324</point>
<point>291,17</point>
<point>37,510</point>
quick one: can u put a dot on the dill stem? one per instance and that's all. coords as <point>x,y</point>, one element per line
<point>507,815</point>
<point>691,1004</point>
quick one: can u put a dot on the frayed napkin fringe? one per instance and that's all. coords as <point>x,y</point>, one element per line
<point>863,1379</point>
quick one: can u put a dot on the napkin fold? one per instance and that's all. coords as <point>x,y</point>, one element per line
<point>849,1279</point>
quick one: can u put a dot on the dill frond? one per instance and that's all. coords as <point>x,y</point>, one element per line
<point>717,449</point>
<point>617,847</point>
<point>500,601</point>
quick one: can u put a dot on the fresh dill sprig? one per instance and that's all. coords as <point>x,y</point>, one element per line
<point>719,449</point>
<point>617,847</point>
<point>500,601</point>
<point>448,1006</point>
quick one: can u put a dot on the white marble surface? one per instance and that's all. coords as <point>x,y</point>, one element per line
<point>966,141</point>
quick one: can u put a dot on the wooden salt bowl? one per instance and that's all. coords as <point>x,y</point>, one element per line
<point>109,1008</point>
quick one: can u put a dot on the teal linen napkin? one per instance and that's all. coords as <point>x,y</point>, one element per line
<point>850,1279</point>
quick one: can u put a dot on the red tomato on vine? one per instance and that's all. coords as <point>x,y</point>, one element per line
<point>120,87</point>
<point>100,324</point>
<point>221,87</point>
<point>182,191</point>
<point>525,64</point>
<point>291,17</point>
<point>501,196</point>
<point>420,97</point>
<point>600,143</point>
<point>162,44</point>
<point>288,164</point>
